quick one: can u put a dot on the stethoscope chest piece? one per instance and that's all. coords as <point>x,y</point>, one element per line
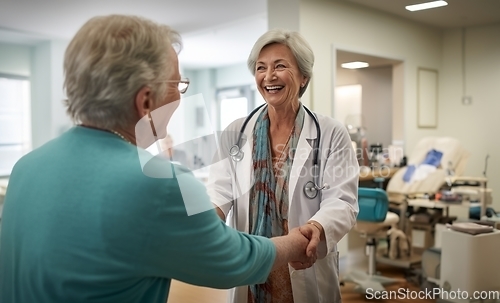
<point>236,153</point>
<point>310,190</point>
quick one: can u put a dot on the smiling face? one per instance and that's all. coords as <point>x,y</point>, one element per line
<point>277,75</point>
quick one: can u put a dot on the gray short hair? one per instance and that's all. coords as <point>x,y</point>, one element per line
<point>109,60</point>
<point>300,48</point>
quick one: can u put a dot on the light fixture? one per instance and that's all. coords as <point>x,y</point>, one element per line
<point>354,65</point>
<point>427,5</point>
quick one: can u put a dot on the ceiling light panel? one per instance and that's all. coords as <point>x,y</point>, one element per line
<point>427,5</point>
<point>354,65</point>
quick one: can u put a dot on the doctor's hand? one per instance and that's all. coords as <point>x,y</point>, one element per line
<point>313,231</point>
<point>301,259</point>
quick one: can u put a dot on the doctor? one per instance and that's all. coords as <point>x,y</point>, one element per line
<point>284,167</point>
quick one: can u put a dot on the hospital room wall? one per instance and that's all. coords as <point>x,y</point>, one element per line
<point>329,24</point>
<point>42,63</point>
<point>48,114</point>
<point>376,100</point>
<point>475,125</point>
<point>333,24</point>
<point>205,82</point>
<point>15,59</point>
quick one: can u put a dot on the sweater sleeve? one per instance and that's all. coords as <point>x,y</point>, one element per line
<point>200,249</point>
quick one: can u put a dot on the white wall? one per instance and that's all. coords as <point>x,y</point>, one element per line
<point>15,59</point>
<point>351,27</point>
<point>376,104</point>
<point>328,24</point>
<point>474,125</point>
<point>285,14</point>
<point>206,82</point>
<point>41,107</point>
<point>61,122</point>
<point>43,63</point>
<point>48,114</point>
<point>233,75</point>
<point>201,94</point>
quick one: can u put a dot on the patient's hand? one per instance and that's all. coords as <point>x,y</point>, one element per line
<point>301,260</point>
<point>314,232</point>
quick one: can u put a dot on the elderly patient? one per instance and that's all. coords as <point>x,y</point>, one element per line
<point>83,222</point>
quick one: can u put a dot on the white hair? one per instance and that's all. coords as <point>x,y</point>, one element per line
<point>299,47</point>
<point>109,60</point>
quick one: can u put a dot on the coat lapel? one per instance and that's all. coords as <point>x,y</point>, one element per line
<point>244,174</point>
<point>304,148</point>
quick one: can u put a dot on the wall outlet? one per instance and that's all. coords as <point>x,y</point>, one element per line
<point>466,100</point>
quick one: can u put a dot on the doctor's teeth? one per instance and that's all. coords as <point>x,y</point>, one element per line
<point>273,87</point>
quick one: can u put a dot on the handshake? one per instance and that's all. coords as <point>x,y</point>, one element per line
<point>298,248</point>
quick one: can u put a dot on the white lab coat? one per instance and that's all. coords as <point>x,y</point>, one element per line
<point>335,208</point>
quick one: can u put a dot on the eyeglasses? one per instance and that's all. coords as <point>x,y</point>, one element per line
<point>182,85</point>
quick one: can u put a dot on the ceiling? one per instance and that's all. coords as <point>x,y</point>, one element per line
<point>215,32</point>
<point>458,13</point>
<point>62,18</point>
<point>344,57</point>
<point>225,44</point>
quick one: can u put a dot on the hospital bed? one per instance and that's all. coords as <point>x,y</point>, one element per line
<point>452,164</point>
<point>413,187</point>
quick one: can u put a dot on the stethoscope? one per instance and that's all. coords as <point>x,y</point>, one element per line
<point>311,188</point>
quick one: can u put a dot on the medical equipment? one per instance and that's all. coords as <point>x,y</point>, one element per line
<point>311,188</point>
<point>355,126</point>
<point>372,222</point>
<point>406,196</point>
<point>429,182</point>
<point>474,271</point>
<point>424,193</point>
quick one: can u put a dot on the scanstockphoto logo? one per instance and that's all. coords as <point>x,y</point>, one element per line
<point>430,294</point>
<point>206,154</point>
<point>210,157</point>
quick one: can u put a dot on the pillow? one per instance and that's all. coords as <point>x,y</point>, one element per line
<point>452,150</point>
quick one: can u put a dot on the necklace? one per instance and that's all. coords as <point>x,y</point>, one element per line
<point>120,135</point>
<point>107,130</point>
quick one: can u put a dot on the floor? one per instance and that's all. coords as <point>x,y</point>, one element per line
<point>400,292</point>
<point>185,293</point>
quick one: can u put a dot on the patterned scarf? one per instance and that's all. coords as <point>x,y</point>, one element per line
<point>269,195</point>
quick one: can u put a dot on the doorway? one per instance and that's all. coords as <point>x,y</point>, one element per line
<point>378,113</point>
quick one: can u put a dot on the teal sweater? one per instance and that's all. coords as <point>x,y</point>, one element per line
<point>83,223</point>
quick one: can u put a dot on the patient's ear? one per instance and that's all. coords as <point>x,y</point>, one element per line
<point>143,101</point>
